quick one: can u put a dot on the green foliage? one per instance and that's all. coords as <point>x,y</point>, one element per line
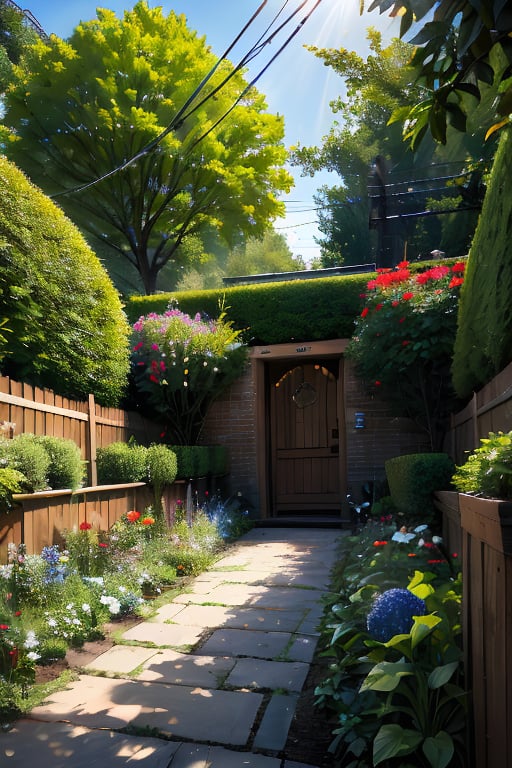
<point>180,365</point>
<point>272,313</point>
<point>270,253</point>
<point>162,468</point>
<point>484,335</point>
<point>121,463</point>
<point>400,702</point>
<point>27,455</point>
<point>87,549</point>
<point>118,84</point>
<point>454,53</point>
<point>403,342</point>
<point>488,470</point>
<point>413,480</point>
<point>11,481</point>
<point>68,330</point>
<point>15,35</point>
<point>67,468</point>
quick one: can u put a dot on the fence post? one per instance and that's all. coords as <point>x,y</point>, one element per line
<point>91,442</point>
<point>474,419</point>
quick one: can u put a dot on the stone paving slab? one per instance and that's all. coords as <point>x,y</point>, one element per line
<point>192,756</point>
<point>122,659</point>
<point>259,673</point>
<point>245,642</point>
<point>263,619</point>
<point>201,714</point>
<point>167,613</point>
<point>206,616</point>
<point>186,669</point>
<point>263,597</point>
<point>70,746</point>
<point>302,648</point>
<point>273,731</point>
<point>175,635</point>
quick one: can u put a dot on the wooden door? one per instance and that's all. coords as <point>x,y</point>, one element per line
<point>304,438</point>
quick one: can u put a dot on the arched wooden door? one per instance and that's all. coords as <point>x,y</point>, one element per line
<point>304,437</point>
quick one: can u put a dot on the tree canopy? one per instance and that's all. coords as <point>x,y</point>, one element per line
<point>429,180</point>
<point>82,110</point>
<point>15,35</point>
<point>461,47</point>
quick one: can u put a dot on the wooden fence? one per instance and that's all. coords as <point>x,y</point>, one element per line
<point>490,410</point>
<point>24,408</point>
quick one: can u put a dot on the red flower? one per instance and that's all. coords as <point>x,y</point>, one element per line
<point>395,303</point>
<point>407,295</point>
<point>377,383</point>
<point>85,526</point>
<point>455,282</point>
<point>147,521</point>
<point>132,516</point>
<point>17,613</point>
<point>378,307</point>
<point>405,343</point>
<point>153,378</point>
<point>102,545</point>
<point>4,626</point>
<point>365,312</point>
<point>379,543</point>
<point>460,266</point>
<point>402,320</point>
<point>403,265</point>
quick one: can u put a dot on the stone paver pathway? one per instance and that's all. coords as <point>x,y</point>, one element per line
<point>211,681</point>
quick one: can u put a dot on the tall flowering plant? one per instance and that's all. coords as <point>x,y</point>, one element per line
<point>403,341</point>
<point>181,364</point>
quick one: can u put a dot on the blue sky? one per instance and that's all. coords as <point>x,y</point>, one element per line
<point>296,85</point>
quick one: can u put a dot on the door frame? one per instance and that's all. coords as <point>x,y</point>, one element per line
<point>296,352</point>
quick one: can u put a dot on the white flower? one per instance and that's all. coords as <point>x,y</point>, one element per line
<point>77,622</point>
<point>86,608</point>
<point>403,538</point>
<point>69,607</point>
<point>420,528</point>
<point>31,640</point>
<point>52,623</point>
<point>437,540</point>
<point>33,656</point>
<point>115,606</point>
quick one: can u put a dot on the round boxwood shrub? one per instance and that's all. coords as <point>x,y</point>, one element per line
<point>67,329</point>
<point>66,468</point>
<point>121,463</point>
<point>26,455</point>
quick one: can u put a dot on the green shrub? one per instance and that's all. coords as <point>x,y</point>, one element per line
<point>11,481</point>
<point>483,342</point>
<point>162,467</point>
<point>68,329</point>
<point>186,465</point>
<point>25,454</point>
<point>217,460</point>
<point>67,468</point>
<point>488,470</point>
<point>121,463</point>
<point>414,478</point>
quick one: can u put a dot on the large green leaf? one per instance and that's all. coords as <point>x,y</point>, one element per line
<point>439,749</point>
<point>392,741</point>
<point>440,675</point>
<point>386,675</point>
<point>422,627</point>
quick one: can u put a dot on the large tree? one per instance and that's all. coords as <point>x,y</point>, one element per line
<point>15,35</point>
<point>82,110</point>
<point>377,87</point>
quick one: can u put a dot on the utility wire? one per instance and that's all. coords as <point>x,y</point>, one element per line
<point>182,115</point>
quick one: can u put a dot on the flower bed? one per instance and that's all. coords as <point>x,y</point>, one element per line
<point>62,597</point>
<point>395,693</point>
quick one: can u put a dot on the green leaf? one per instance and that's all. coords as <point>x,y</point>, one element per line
<point>439,749</point>
<point>440,675</point>
<point>422,628</point>
<point>386,675</point>
<point>393,741</point>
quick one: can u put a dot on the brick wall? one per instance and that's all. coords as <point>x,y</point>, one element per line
<point>232,422</point>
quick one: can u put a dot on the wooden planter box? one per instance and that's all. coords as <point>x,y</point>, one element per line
<point>487,615</point>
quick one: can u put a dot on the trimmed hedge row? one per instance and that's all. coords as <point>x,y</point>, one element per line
<point>483,344</point>
<point>272,313</point>
<point>413,479</point>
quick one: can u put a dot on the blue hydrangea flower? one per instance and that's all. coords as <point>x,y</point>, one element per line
<point>392,614</point>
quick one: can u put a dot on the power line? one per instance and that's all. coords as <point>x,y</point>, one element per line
<point>182,114</point>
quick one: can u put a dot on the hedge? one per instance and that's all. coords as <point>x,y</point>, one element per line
<point>483,344</point>
<point>413,479</point>
<point>65,327</point>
